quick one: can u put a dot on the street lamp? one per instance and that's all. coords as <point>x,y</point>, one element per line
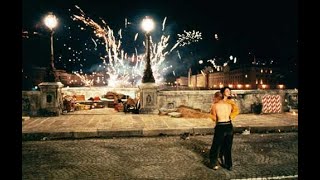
<point>147,26</point>
<point>51,22</point>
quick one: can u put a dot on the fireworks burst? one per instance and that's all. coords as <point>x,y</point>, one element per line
<point>84,79</point>
<point>123,70</point>
<point>187,38</point>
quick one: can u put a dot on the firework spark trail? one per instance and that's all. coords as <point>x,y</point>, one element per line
<point>82,13</point>
<point>119,44</point>
<point>135,37</point>
<point>104,22</point>
<point>163,24</point>
<point>136,51</point>
<point>126,22</point>
<point>119,32</point>
<point>176,45</point>
<point>179,55</point>
<point>203,73</point>
<point>95,44</point>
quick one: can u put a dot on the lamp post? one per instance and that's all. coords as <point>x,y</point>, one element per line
<point>51,94</point>
<point>147,26</point>
<point>51,22</point>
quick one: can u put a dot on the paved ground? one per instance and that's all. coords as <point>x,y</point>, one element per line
<point>256,156</point>
<point>107,122</point>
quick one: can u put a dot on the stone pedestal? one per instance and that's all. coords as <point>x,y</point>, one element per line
<point>148,98</point>
<point>51,98</point>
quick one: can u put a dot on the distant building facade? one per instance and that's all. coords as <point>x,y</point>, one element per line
<point>182,81</point>
<point>248,77</point>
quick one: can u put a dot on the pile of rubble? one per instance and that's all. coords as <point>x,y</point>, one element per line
<point>184,111</point>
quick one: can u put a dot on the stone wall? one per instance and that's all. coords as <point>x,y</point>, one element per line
<point>195,99</point>
<point>245,99</point>
<point>31,103</point>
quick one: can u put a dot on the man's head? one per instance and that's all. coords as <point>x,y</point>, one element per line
<point>217,97</point>
<point>226,91</point>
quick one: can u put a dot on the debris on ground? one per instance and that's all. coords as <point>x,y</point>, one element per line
<point>188,112</point>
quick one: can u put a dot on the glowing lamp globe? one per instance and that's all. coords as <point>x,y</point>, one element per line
<point>147,24</point>
<point>50,21</point>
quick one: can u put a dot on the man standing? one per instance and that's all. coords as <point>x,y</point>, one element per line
<point>226,92</point>
<point>223,134</point>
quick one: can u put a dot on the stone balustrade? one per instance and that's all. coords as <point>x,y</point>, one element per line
<point>197,99</point>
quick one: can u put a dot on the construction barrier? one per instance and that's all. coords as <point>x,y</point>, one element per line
<point>271,104</point>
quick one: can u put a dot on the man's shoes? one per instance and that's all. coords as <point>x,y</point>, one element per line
<point>215,168</point>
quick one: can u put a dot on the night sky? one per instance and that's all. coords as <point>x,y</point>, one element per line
<point>267,29</point>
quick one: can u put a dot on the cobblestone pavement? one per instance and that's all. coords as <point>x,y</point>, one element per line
<point>254,156</point>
